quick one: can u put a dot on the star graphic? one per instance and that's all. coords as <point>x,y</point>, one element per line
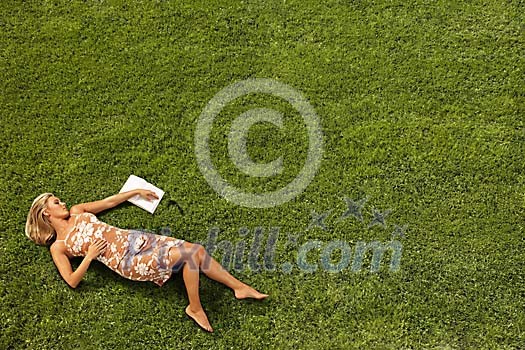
<point>379,217</point>
<point>353,208</point>
<point>318,219</point>
<point>399,231</point>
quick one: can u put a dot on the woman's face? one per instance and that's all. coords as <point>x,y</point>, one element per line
<point>56,208</point>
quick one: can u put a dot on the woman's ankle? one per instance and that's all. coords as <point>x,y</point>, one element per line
<point>194,308</point>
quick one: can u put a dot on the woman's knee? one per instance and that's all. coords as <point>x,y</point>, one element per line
<point>193,251</point>
<point>199,251</point>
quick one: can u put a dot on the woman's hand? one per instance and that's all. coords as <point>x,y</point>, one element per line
<point>96,248</point>
<point>149,195</point>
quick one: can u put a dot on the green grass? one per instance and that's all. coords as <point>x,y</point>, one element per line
<point>422,111</point>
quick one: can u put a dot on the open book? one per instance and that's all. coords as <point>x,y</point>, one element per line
<point>135,182</point>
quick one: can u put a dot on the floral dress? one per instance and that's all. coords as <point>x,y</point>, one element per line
<point>136,255</point>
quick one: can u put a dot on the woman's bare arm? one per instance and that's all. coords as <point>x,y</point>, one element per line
<point>64,266</point>
<point>109,202</point>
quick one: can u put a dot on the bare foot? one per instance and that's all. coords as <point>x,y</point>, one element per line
<point>200,318</point>
<point>248,292</point>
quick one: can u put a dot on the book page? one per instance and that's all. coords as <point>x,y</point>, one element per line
<point>135,182</point>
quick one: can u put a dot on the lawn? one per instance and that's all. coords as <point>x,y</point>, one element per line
<point>420,107</point>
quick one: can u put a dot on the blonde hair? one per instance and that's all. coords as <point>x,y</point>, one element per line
<point>38,227</point>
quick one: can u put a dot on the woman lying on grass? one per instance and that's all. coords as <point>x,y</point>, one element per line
<point>136,255</point>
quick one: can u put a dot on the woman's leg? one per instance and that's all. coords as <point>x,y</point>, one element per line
<point>197,258</point>
<point>194,309</point>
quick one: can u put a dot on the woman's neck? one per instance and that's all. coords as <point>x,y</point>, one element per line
<point>60,225</point>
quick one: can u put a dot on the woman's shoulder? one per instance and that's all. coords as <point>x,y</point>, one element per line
<point>84,213</point>
<point>78,209</point>
<point>59,247</point>
<point>86,216</point>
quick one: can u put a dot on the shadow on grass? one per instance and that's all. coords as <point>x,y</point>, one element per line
<point>212,293</point>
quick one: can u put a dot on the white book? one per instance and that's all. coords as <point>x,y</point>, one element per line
<point>134,183</point>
